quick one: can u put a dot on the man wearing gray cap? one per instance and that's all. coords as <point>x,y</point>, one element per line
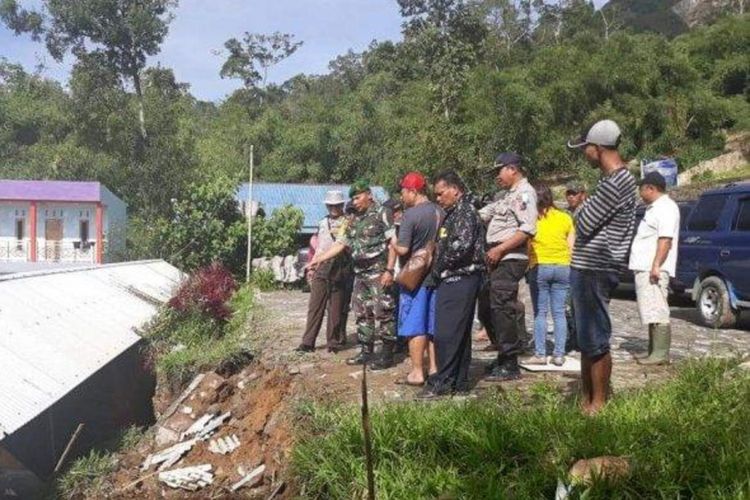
<point>604,230</point>
<point>330,286</point>
<point>511,221</point>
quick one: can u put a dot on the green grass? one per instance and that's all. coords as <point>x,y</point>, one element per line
<point>688,438</point>
<point>86,476</point>
<point>183,345</point>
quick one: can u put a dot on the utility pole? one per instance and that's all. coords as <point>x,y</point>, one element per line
<point>249,215</point>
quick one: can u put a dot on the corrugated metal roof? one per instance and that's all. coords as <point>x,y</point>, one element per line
<point>57,328</point>
<point>307,197</point>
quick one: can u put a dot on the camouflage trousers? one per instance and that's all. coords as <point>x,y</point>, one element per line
<point>374,309</point>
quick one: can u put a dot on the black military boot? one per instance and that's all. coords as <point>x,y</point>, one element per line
<point>385,360</point>
<point>365,354</point>
<point>507,369</point>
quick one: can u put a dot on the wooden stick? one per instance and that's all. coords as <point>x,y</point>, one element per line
<point>276,491</point>
<point>68,447</point>
<point>366,429</point>
<point>139,480</point>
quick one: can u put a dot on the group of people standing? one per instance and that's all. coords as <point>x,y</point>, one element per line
<point>570,259</point>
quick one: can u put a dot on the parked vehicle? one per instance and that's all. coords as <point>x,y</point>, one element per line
<point>714,254</point>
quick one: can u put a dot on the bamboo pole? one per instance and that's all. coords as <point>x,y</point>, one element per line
<point>367,434</point>
<point>249,215</point>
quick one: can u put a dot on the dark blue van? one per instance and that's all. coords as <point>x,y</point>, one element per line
<point>714,254</point>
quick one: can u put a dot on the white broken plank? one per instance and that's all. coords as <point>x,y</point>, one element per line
<point>188,478</point>
<point>169,456</point>
<point>197,425</point>
<point>251,479</point>
<point>224,445</point>
<point>214,424</point>
<point>205,426</point>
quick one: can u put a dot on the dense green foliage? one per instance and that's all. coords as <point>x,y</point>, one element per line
<point>685,439</point>
<point>184,344</point>
<point>469,78</point>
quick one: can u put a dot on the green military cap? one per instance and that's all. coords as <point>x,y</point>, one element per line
<point>359,186</point>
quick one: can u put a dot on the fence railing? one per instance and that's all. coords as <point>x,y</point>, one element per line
<point>17,250</point>
<point>49,251</point>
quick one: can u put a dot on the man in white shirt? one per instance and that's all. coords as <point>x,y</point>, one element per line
<point>653,259</point>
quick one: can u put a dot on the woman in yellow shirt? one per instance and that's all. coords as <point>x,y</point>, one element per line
<point>549,274</point>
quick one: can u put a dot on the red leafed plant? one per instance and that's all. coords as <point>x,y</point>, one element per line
<point>206,291</point>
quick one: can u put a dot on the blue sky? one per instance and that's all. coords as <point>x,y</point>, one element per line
<point>327,27</point>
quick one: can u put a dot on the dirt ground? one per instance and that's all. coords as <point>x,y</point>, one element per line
<point>263,397</point>
<point>325,376</point>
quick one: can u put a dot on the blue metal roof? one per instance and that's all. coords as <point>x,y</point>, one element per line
<point>307,197</point>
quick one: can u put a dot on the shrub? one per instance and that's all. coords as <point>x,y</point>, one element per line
<point>86,476</point>
<point>276,235</point>
<point>264,279</point>
<point>206,292</point>
<point>188,342</point>
<point>205,226</point>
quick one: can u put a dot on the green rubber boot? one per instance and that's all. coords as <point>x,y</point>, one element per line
<point>642,355</point>
<point>662,341</point>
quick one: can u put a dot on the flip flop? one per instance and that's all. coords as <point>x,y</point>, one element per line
<point>404,381</point>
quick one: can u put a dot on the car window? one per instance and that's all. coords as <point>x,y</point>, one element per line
<point>705,216</point>
<point>743,216</point>
<point>685,210</point>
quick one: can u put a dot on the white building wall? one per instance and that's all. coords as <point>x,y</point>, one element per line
<point>114,230</point>
<point>115,225</point>
<point>9,247</point>
<point>71,214</point>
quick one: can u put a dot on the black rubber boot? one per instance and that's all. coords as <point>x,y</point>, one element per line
<point>364,356</point>
<point>385,360</point>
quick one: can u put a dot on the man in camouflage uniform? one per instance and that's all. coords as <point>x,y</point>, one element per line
<point>367,237</point>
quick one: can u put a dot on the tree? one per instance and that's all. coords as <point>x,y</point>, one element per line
<point>205,226</point>
<point>447,37</point>
<point>122,32</point>
<point>251,58</point>
<point>21,20</point>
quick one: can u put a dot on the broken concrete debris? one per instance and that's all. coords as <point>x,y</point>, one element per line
<point>188,478</point>
<point>250,480</point>
<point>170,456</point>
<point>199,431</point>
<point>224,445</point>
<point>205,426</point>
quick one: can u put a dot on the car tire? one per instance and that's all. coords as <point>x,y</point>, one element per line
<point>713,305</point>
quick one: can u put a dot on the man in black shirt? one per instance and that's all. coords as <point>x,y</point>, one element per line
<point>456,275</point>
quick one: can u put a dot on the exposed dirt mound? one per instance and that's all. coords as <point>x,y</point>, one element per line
<point>258,400</point>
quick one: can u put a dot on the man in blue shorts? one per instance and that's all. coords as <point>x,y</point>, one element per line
<point>416,308</point>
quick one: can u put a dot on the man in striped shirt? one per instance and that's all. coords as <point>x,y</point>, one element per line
<point>604,229</point>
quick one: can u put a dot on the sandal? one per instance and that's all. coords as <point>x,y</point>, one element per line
<point>405,381</point>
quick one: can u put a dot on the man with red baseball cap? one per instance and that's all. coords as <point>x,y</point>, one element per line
<point>416,308</point>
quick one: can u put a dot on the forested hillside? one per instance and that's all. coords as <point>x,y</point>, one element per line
<point>469,78</point>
